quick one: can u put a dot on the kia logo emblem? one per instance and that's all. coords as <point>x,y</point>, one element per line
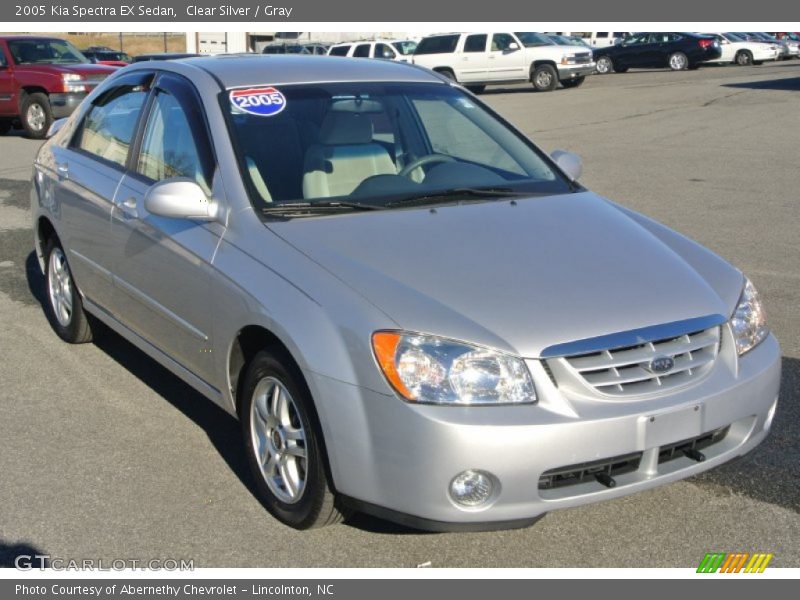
<point>661,364</point>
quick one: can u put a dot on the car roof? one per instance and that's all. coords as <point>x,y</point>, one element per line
<point>238,70</point>
<point>31,37</point>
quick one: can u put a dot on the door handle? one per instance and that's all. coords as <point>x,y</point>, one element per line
<point>130,203</point>
<point>62,170</point>
<point>128,208</point>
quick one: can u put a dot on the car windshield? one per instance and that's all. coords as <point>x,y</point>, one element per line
<point>406,48</point>
<point>378,144</point>
<point>37,51</point>
<point>531,40</point>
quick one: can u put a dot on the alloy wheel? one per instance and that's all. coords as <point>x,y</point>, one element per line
<point>59,284</point>
<point>279,440</point>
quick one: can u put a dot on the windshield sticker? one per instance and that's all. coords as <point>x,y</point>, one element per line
<point>262,102</point>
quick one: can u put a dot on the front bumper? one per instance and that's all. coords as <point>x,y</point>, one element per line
<point>62,104</point>
<point>574,71</point>
<point>396,459</point>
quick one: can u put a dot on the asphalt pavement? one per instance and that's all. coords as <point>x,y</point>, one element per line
<point>103,454</point>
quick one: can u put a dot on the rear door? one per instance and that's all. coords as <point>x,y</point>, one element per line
<point>162,264</point>
<point>89,170</point>
<point>664,44</point>
<point>506,63</point>
<point>472,63</point>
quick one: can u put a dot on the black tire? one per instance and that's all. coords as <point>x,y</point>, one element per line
<point>77,329</point>
<point>317,504</point>
<point>573,83</point>
<point>5,126</point>
<point>678,61</point>
<point>36,123</point>
<point>743,58</point>
<point>604,65</point>
<point>476,89</point>
<point>544,78</point>
<point>447,73</point>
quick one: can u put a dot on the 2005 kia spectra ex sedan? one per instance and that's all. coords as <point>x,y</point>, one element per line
<point>413,311</point>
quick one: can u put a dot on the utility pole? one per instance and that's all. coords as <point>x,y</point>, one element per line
<point>165,41</point>
<point>121,49</point>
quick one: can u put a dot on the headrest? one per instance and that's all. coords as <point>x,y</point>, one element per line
<point>340,128</point>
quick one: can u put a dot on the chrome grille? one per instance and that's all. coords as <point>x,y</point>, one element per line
<point>582,58</point>
<point>627,371</point>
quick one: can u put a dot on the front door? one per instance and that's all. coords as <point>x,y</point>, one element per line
<point>506,63</point>
<point>162,264</point>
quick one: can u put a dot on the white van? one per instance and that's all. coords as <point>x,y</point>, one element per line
<point>597,39</point>
<point>399,50</point>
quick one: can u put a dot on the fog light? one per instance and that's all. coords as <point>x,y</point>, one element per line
<point>471,488</point>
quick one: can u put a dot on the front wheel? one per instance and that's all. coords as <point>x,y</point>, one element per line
<point>36,115</point>
<point>573,83</point>
<point>283,444</point>
<point>544,78</point>
<point>744,58</point>
<point>678,61</point>
<point>604,65</point>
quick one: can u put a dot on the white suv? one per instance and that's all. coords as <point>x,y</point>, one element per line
<point>480,59</point>
<point>399,50</point>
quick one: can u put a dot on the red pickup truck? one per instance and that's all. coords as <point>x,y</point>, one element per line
<point>42,79</point>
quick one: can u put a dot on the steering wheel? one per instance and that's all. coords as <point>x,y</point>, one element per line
<point>424,160</point>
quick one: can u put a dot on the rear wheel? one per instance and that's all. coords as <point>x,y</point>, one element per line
<point>678,61</point>
<point>544,78</point>
<point>744,58</point>
<point>283,443</point>
<point>36,115</point>
<point>63,306</point>
<point>476,89</point>
<point>447,73</point>
<point>573,83</point>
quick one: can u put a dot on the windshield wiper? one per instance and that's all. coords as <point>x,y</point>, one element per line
<point>459,194</point>
<point>285,209</point>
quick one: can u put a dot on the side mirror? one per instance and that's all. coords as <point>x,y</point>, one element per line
<point>513,46</point>
<point>55,127</point>
<point>570,163</point>
<point>180,198</point>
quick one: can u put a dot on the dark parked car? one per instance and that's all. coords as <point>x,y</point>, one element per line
<point>678,51</point>
<point>293,48</point>
<point>163,56</point>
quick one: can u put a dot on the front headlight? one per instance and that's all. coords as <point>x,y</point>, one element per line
<point>433,370</point>
<point>749,323</point>
<point>568,59</point>
<point>73,82</point>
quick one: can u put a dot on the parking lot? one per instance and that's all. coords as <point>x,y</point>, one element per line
<point>103,454</point>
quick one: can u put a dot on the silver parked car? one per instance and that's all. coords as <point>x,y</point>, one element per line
<point>413,311</point>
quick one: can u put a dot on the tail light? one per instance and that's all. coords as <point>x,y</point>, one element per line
<point>706,43</point>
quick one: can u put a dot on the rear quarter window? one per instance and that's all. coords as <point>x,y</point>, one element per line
<point>440,44</point>
<point>339,50</point>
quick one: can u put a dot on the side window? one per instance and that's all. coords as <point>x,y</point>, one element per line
<point>175,142</point>
<point>475,43</point>
<point>108,128</point>
<point>384,51</point>
<point>361,51</point>
<point>602,35</point>
<point>3,62</point>
<point>501,41</point>
<point>339,50</point>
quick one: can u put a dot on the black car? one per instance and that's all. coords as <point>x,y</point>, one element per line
<point>164,56</point>
<point>677,51</point>
<point>109,57</point>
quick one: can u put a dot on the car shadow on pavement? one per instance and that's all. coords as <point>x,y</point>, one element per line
<point>771,472</point>
<point>22,554</point>
<point>786,84</point>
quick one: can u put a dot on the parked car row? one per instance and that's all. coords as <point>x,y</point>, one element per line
<point>44,78</point>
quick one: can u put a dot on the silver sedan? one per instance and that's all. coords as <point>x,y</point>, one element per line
<point>413,311</point>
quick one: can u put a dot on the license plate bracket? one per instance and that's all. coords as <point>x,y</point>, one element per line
<point>671,426</point>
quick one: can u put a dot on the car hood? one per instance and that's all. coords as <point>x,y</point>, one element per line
<point>87,70</point>
<point>519,276</point>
